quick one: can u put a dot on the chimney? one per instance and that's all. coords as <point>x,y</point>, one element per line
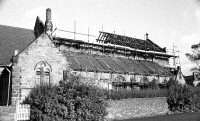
<point>48,23</point>
<point>146,36</point>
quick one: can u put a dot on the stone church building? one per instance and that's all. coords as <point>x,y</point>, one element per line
<point>31,57</point>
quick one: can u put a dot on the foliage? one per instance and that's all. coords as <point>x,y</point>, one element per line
<point>133,79</point>
<point>71,100</point>
<point>170,83</point>
<point>196,99</point>
<point>165,81</point>
<point>194,57</point>
<point>198,85</point>
<point>154,84</point>
<point>179,97</point>
<point>85,101</point>
<point>183,98</point>
<point>145,79</point>
<point>44,103</point>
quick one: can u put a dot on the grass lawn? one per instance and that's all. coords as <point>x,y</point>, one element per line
<point>174,117</point>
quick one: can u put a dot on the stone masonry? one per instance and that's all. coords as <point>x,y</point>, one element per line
<point>24,74</point>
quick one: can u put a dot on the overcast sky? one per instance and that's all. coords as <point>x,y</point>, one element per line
<point>168,22</point>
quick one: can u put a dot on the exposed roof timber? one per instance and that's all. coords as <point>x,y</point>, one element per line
<point>106,37</point>
<point>103,45</point>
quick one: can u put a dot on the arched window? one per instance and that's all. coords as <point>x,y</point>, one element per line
<point>47,76</point>
<point>38,77</point>
<point>42,70</point>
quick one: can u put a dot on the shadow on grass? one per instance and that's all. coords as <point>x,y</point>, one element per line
<point>174,117</point>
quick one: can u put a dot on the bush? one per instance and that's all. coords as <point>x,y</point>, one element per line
<point>179,98</point>
<point>170,83</point>
<point>70,100</point>
<point>183,98</point>
<point>44,103</point>
<point>196,99</point>
<point>154,84</point>
<point>145,79</point>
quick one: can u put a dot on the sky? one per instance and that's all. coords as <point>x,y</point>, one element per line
<point>168,22</point>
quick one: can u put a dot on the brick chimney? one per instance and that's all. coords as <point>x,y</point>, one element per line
<point>48,23</point>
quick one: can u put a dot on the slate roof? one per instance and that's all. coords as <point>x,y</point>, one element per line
<point>11,39</point>
<point>102,63</point>
<point>14,38</point>
<point>126,41</point>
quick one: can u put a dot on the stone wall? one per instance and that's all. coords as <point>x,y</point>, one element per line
<point>104,80</point>
<point>118,109</point>
<point>7,113</point>
<point>138,107</point>
<point>41,50</point>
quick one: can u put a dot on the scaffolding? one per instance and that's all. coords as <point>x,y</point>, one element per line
<point>120,44</point>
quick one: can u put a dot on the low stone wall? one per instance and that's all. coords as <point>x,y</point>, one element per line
<point>118,109</point>
<point>137,107</point>
<point>7,113</point>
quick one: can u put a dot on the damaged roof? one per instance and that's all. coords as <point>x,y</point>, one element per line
<point>15,38</point>
<point>126,41</point>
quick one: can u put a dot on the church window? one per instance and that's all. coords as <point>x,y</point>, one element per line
<point>43,70</point>
<point>38,77</point>
<point>47,77</point>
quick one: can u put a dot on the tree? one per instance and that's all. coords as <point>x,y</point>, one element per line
<point>194,57</point>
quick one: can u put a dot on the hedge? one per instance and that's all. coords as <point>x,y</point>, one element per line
<point>71,100</point>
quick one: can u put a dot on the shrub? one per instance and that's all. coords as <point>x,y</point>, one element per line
<point>154,84</point>
<point>85,102</point>
<point>179,98</point>
<point>196,99</point>
<point>44,104</point>
<point>183,98</point>
<point>145,79</point>
<point>70,100</point>
<point>170,83</point>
